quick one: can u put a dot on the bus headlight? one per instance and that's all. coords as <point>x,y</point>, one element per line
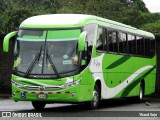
<point>17,84</point>
<point>69,84</point>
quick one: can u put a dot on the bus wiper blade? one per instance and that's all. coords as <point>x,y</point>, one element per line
<point>33,63</point>
<point>52,65</point>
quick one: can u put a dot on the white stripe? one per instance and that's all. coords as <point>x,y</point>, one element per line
<point>111,92</point>
<point>42,84</point>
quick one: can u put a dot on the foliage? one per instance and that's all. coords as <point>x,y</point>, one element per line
<point>152,27</point>
<point>12,23</point>
<point>131,12</point>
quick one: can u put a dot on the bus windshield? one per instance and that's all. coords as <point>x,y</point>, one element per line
<point>46,53</point>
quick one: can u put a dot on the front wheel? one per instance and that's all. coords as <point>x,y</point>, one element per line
<point>96,98</point>
<point>38,105</point>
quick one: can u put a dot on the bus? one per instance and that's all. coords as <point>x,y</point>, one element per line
<point>78,58</point>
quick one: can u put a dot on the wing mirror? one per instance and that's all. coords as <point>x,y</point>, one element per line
<point>6,40</point>
<point>81,41</point>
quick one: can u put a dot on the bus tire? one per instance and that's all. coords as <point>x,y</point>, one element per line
<point>38,105</point>
<point>96,98</point>
<point>141,92</point>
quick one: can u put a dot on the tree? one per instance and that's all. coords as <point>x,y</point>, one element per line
<point>13,18</point>
<point>12,13</point>
<point>152,27</point>
<point>131,12</point>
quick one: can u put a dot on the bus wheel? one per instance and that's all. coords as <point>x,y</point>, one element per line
<point>141,93</point>
<point>38,105</point>
<point>96,98</point>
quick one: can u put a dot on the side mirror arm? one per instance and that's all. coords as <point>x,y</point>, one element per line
<point>6,40</point>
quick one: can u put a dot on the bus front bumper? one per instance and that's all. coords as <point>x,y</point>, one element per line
<point>78,93</point>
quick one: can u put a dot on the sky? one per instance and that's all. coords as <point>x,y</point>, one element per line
<point>153,5</point>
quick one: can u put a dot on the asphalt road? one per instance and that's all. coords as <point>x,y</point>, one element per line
<point>113,109</point>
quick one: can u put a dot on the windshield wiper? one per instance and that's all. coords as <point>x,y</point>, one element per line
<point>33,63</point>
<point>52,64</point>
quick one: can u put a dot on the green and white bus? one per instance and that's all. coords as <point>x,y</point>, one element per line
<point>73,58</point>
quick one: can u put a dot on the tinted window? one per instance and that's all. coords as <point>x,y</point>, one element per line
<point>152,48</point>
<point>131,44</point>
<point>101,41</point>
<point>147,47</point>
<point>122,42</point>
<point>112,41</point>
<point>140,45</point>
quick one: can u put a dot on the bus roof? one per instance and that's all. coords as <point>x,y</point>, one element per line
<point>76,20</point>
<point>55,20</point>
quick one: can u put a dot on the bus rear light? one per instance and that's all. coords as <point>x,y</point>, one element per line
<point>49,92</point>
<point>58,92</point>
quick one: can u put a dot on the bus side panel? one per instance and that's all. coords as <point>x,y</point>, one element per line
<point>86,85</point>
<point>123,75</point>
<point>150,81</point>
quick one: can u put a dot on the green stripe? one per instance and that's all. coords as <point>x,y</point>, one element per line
<point>118,62</point>
<point>129,88</point>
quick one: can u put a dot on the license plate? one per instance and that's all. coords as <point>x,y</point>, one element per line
<point>42,96</point>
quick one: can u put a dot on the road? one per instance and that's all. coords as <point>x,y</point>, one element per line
<point>109,108</point>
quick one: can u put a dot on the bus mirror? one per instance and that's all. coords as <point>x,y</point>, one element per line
<point>81,41</point>
<point>6,40</point>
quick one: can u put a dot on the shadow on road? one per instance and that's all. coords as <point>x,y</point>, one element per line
<point>73,108</point>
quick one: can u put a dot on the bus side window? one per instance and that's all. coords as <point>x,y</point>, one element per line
<point>131,44</point>
<point>140,47</point>
<point>134,45</point>
<point>152,50</point>
<point>147,47</point>
<point>90,29</point>
<point>122,42</point>
<point>125,46</point>
<point>101,43</point>
<point>112,41</point>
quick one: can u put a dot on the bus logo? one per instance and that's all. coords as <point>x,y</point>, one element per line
<point>6,114</point>
<point>41,88</point>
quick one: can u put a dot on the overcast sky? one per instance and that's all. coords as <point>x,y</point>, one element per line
<point>153,5</point>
